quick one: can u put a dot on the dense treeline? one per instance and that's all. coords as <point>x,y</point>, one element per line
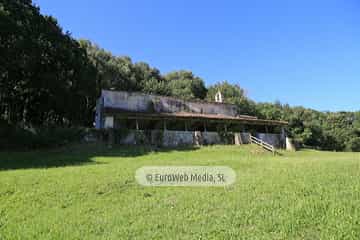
<point>48,78</point>
<point>45,76</point>
<point>323,130</point>
<point>120,73</point>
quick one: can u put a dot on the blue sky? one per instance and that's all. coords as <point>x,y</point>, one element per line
<point>298,52</point>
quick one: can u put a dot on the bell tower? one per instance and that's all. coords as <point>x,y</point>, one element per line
<point>218,97</point>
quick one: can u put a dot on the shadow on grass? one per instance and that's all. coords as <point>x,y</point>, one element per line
<point>75,155</point>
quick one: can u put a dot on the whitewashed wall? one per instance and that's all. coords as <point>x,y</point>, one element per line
<point>138,102</point>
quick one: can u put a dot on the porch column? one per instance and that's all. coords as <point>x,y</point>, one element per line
<point>111,137</point>
<point>283,137</point>
<point>137,124</point>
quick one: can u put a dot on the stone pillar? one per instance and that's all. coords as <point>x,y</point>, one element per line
<point>237,139</point>
<point>109,125</point>
<point>109,122</point>
<point>111,138</point>
<point>137,124</point>
<point>198,138</point>
<point>283,137</point>
<point>290,145</point>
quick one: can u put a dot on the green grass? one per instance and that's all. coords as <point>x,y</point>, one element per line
<point>92,194</point>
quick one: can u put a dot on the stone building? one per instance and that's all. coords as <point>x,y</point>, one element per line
<point>167,121</point>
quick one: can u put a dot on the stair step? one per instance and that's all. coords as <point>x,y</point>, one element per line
<point>263,144</point>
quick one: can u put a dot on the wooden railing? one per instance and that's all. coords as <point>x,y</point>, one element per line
<point>263,144</point>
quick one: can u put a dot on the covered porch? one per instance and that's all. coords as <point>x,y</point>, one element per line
<point>183,128</point>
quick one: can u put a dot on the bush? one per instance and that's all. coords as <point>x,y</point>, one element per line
<point>16,137</point>
<point>353,144</point>
<point>226,137</point>
<point>57,136</point>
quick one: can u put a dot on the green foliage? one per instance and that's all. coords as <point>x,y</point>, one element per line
<point>120,73</point>
<point>14,137</point>
<point>119,134</point>
<point>156,86</point>
<point>48,78</point>
<point>184,84</point>
<point>226,137</point>
<point>158,138</point>
<point>354,144</point>
<point>234,94</point>
<point>323,130</point>
<point>45,76</point>
<point>142,137</point>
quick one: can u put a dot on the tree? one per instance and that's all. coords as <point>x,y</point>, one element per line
<point>233,94</point>
<point>185,84</point>
<point>150,79</point>
<point>354,144</point>
<point>41,69</point>
<point>120,73</point>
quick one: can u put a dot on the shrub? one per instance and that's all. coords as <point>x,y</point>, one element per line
<point>16,137</point>
<point>226,137</point>
<point>353,144</point>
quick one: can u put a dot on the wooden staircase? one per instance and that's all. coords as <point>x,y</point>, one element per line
<point>263,144</point>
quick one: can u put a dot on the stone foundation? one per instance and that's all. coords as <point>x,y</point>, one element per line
<point>177,138</point>
<point>272,139</point>
<point>211,138</point>
<point>170,138</point>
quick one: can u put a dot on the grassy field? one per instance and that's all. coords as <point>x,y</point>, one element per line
<point>92,194</point>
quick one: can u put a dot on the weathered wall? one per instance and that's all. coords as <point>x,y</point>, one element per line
<point>177,138</point>
<point>211,138</point>
<point>130,139</point>
<point>138,102</point>
<point>172,138</point>
<point>245,137</point>
<point>273,139</point>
